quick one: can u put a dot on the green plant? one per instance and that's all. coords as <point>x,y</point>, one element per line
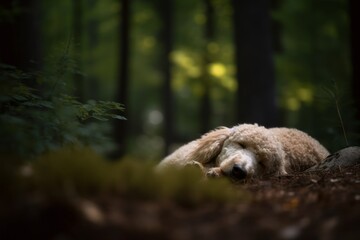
<point>37,119</point>
<point>334,92</point>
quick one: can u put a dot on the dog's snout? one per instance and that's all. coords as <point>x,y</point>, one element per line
<point>238,172</point>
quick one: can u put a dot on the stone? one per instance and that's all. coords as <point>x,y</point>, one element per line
<point>345,157</point>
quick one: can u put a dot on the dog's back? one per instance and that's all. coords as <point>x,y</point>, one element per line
<point>301,150</point>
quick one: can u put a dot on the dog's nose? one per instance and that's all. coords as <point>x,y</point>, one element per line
<point>238,172</point>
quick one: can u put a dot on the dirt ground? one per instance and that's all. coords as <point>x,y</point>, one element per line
<point>316,205</point>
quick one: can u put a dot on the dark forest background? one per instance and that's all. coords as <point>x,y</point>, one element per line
<point>180,68</point>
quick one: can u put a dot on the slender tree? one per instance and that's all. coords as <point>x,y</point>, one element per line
<point>77,39</point>
<point>355,54</point>
<point>21,34</point>
<point>206,78</point>
<point>93,40</point>
<point>254,63</point>
<point>276,28</point>
<point>166,35</point>
<point>123,81</point>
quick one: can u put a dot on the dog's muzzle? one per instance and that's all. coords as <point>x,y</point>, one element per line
<point>237,172</point>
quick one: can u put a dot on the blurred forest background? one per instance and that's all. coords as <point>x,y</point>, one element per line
<point>179,67</point>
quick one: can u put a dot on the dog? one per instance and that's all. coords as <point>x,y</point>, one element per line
<point>249,150</point>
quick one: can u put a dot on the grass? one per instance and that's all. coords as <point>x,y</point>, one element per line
<point>334,93</point>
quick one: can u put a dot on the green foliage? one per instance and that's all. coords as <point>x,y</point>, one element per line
<point>37,120</point>
<point>76,171</point>
<point>99,110</point>
<point>315,49</point>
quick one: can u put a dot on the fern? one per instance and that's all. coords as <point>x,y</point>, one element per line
<point>34,121</point>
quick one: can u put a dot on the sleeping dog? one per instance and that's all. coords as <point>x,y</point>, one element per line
<point>249,150</point>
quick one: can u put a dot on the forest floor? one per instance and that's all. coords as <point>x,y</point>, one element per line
<point>316,205</point>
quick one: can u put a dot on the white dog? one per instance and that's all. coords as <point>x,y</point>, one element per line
<point>249,150</point>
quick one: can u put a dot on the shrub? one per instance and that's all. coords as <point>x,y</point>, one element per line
<point>34,121</point>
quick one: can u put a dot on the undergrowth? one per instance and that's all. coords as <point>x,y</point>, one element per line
<point>38,112</point>
<point>75,172</point>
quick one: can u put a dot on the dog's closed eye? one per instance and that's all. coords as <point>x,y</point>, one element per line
<point>242,145</point>
<point>261,164</point>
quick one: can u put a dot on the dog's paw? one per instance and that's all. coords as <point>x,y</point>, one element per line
<point>195,164</point>
<point>214,172</point>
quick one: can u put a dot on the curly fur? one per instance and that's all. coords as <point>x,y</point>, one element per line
<point>251,149</point>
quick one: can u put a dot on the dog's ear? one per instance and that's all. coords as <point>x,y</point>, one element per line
<point>209,145</point>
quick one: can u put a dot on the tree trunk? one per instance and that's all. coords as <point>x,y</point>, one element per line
<point>254,63</point>
<point>355,54</point>
<point>122,90</point>
<point>206,78</point>
<point>166,14</point>
<point>93,36</point>
<point>77,40</point>
<point>21,35</point>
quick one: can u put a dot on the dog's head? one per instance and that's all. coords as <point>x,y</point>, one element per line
<point>243,151</point>
<point>251,150</point>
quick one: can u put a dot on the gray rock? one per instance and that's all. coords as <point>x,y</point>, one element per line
<point>345,157</point>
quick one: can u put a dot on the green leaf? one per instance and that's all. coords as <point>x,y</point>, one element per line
<point>119,117</point>
<point>39,104</point>
<point>99,118</point>
<point>19,97</point>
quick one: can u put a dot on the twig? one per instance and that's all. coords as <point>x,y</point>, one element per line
<point>335,95</point>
